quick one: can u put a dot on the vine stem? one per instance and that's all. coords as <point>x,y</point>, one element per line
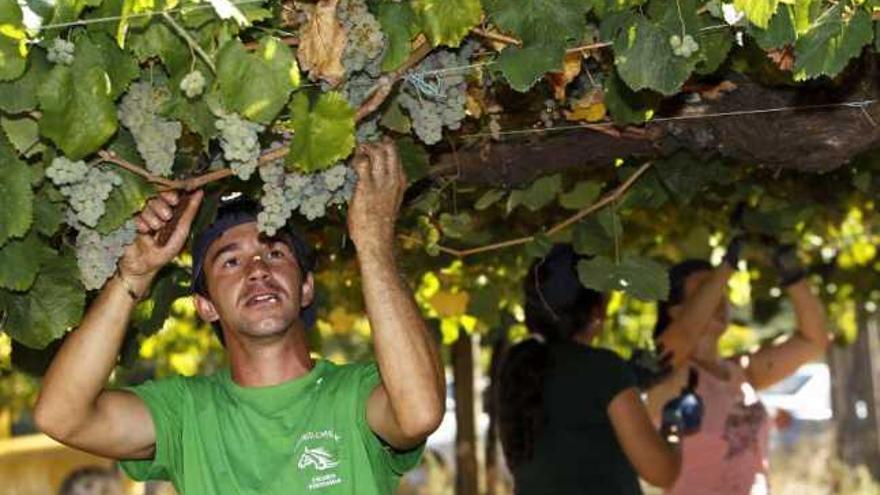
<point>501,38</point>
<point>190,41</point>
<point>609,198</point>
<point>288,40</point>
<point>111,157</point>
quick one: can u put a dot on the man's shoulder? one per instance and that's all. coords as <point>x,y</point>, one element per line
<point>178,385</point>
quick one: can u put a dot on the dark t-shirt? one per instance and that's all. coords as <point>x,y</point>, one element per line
<point>577,451</point>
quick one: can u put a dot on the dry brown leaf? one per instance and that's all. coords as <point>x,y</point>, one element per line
<point>715,92</point>
<point>588,108</point>
<point>571,67</point>
<point>449,304</point>
<point>322,41</point>
<point>783,57</point>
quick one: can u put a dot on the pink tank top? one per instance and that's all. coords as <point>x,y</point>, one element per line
<point>729,454</point>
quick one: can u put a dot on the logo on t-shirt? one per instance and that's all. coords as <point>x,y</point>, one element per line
<point>317,458</point>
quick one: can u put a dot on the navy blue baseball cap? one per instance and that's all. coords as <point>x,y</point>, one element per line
<point>235,210</point>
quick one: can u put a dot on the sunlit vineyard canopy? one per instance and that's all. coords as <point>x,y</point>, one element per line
<point>642,131</point>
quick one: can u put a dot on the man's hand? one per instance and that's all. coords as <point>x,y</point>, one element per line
<point>373,210</point>
<point>145,256</point>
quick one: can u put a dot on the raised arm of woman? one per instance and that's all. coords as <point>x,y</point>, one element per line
<point>655,460</point>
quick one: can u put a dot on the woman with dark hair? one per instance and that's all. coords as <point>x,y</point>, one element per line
<point>571,420</point>
<point>728,456</point>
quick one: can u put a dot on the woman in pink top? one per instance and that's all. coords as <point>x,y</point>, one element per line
<point>729,454</point>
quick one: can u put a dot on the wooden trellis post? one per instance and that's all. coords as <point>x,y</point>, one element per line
<point>855,394</point>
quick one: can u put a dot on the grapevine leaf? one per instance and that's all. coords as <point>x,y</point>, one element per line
<point>395,119</point>
<point>48,211</point>
<point>72,95</point>
<point>539,246</point>
<point>157,40</point>
<point>19,95</point>
<point>590,238</point>
<point>779,32</point>
<point>20,262</point>
<point>542,192</point>
<point>168,288</point>
<point>413,158</point>
<point>715,44</point>
<point>758,12</point>
<point>627,106</point>
<point>523,67</point>
<point>50,308</point>
<point>831,43</point>
<point>322,43</point>
<point>23,133</point>
<point>321,136</point>
<point>647,192</point>
<point>684,176</point>
<point>488,199</point>
<point>13,50</point>
<point>16,215</point>
<point>539,20</point>
<point>100,50</point>
<point>456,226</point>
<point>582,195</point>
<point>70,10</point>
<point>545,27</point>
<point>124,201</point>
<point>257,98</point>
<point>398,23</point>
<point>194,114</point>
<point>447,22</point>
<point>641,278</point>
<point>645,59</point>
<point>484,305</point>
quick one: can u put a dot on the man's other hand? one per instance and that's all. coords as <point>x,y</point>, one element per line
<point>373,210</point>
<point>146,255</point>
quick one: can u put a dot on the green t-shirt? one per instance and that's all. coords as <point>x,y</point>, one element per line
<point>308,435</point>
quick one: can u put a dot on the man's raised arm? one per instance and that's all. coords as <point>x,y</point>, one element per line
<point>73,406</point>
<point>409,403</point>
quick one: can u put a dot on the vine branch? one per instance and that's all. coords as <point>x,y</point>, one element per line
<point>609,198</point>
<point>111,157</point>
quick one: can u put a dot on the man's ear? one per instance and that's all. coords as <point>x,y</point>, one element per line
<point>307,294</point>
<point>206,309</point>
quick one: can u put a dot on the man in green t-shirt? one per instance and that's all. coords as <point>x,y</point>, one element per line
<point>276,421</point>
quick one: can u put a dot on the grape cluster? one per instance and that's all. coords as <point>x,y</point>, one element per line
<point>240,141</point>
<point>683,47</point>
<point>60,52</point>
<point>310,194</point>
<point>97,255</point>
<point>86,188</point>
<point>435,94</point>
<point>156,138</point>
<point>193,84</point>
<point>274,212</point>
<point>364,38</point>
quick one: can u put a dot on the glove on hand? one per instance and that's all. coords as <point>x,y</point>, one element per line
<point>788,265</point>
<point>734,250</point>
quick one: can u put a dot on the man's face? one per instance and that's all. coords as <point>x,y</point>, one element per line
<point>254,282</point>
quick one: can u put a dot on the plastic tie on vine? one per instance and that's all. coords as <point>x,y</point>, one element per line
<point>431,89</point>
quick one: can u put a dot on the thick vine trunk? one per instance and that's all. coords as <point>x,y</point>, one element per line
<point>817,138</point>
